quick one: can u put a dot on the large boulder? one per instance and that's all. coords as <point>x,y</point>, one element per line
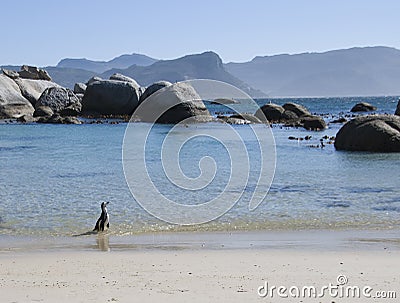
<point>12,103</point>
<point>33,89</point>
<point>152,89</point>
<point>298,109</point>
<point>378,133</point>
<point>173,104</point>
<point>363,107</point>
<point>123,78</point>
<point>110,97</point>
<point>60,100</point>
<point>273,112</point>
<point>313,123</point>
<point>33,73</point>
<point>398,109</point>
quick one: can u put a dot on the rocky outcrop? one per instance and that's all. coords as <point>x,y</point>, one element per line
<point>60,100</point>
<point>313,123</point>
<point>363,107</point>
<point>57,119</point>
<point>12,103</point>
<point>224,101</point>
<point>93,79</point>
<point>153,88</point>
<point>10,73</point>
<point>33,73</point>
<point>289,112</point>
<point>33,89</point>
<point>120,77</point>
<point>378,133</point>
<point>339,120</point>
<point>398,109</point>
<point>240,119</point>
<point>173,104</point>
<point>43,111</point>
<point>273,112</point>
<point>298,109</point>
<point>248,117</point>
<point>289,116</point>
<point>79,88</point>
<point>110,97</point>
<point>233,121</point>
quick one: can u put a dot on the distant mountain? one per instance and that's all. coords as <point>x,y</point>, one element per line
<point>207,65</point>
<point>67,77</point>
<point>121,62</point>
<point>348,72</point>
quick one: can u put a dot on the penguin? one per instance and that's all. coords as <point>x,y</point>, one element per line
<point>104,219</point>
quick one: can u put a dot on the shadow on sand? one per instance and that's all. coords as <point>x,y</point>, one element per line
<point>88,233</point>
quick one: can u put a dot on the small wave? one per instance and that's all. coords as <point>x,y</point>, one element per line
<point>372,190</point>
<point>15,148</point>
<point>79,175</point>
<point>338,204</point>
<point>290,189</point>
<point>387,208</point>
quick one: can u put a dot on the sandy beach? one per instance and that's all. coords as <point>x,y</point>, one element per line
<point>200,274</point>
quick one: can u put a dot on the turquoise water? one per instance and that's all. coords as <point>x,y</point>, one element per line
<point>53,178</point>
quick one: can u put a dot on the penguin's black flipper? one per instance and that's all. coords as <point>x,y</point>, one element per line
<point>97,226</point>
<point>108,225</point>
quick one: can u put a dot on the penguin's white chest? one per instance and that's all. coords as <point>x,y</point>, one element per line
<point>107,220</point>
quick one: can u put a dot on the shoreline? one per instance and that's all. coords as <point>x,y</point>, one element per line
<point>321,240</point>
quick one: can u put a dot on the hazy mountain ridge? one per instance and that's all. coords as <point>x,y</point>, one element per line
<point>355,71</point>
<point>123,61</point>
<point>363,71</point>
<point>207,65</point>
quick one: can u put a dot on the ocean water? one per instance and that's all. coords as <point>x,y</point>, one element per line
<point>53,178</point>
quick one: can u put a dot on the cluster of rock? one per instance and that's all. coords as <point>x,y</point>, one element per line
<point>19,91</point>
<point>28,72</point>
<point>30,95</point>
<point>291,114</point>
<point>122,96</point>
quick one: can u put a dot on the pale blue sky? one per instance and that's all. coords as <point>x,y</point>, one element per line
<point>41,32</point>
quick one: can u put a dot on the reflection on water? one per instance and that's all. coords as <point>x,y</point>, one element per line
<point>103,241</point>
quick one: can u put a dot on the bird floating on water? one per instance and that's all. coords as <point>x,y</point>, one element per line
<point>104,219</point>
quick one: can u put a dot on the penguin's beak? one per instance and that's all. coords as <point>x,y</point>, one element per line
<point>107,203</point>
